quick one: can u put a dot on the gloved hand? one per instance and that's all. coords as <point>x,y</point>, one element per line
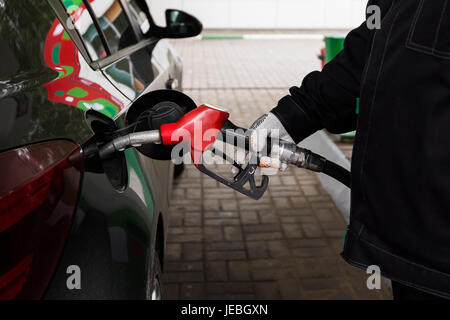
<point>264,127</point>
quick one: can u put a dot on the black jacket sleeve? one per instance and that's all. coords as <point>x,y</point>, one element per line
<point>327,99</point>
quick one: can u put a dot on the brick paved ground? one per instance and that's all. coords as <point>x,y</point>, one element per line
<point>222,245</point>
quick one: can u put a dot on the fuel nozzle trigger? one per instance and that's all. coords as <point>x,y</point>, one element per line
<point>244,181</point>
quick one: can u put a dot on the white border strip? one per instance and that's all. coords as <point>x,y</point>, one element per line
<point>287,36</point>
<point>264,36</point>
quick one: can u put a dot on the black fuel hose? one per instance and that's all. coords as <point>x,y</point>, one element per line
<point>337,172</point>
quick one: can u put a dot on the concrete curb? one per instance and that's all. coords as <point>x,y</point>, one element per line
<point>320,143</point>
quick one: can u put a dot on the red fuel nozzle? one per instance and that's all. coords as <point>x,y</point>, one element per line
<point>199,126</point>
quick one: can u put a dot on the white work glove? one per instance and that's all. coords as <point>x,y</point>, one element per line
<point>264,127</point>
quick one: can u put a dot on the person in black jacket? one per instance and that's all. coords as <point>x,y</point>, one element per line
<point>400,201</point>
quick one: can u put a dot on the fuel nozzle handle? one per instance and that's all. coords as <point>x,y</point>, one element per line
<point>199,126</point>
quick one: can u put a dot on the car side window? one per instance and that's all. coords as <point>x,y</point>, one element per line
<point>114,23</point>
<point>106,27</point>
<point>81,20</point>
<point>111,30</point>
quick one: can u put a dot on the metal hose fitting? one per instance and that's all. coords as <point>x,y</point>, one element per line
<point>135,139</point>
<point>289,153</point>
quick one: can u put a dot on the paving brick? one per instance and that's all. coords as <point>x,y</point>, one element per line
<point>322,204</point>
<point>185,230</point>
<point>312,230</point>
<point>334,233</point>
<point>294,212</point>
<point>308,181</point>
<point>255,206</point>
<point>178,193</point>
<point>272,274</point>
<point>225,246</point>
<point>183,266</point>
<point>173,251</point>
<point>186,205</point>
<point>309,268</point>
<point>210,183</point>
<point>288,180</point>
<point>184,238</point>
<point>325,215</point>
<point>278,248</point>
<point>228,205</point>
<point>263,236</point>
<point>321,283</point>
<point>221,214</point>
<point>290,289</point>
<point>210,205</point>
<point>267,290</point>
<point>192,172</point>
<point>213,233</point>
<point>216,271</point>
<point>257,249</point>
<point>238,270</point>
<point>222,222</point>
<point>190,291</point>
<point>332,226</point>
<point>176,219</point>
<point>179,277</point>
<point>266,263</point>
<point>301,203</point>
<point>311,252</point>
<point>249,217</point>
<point>297,219</point>
<point>216,194</point>
<point>331,266</point>
<point>225,255</point>
<point>282,203</point>
<point>193,220</point>
<point>229,287</point>
<point>268,216</point>
<point>233,233</point>
<point>171,291</point>
<point>319,198</point>
<point>284,191</point>
<point>340,294</point>
<point>192,251</point>
<point>292,230</point>
<point>296,243</point>
<point>309,190</point>
<point>261,228</point>
<point>275,181</point>
<point>194,193</point>
<point>231,296</point>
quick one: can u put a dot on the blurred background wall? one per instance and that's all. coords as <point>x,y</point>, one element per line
<point>268,14</point>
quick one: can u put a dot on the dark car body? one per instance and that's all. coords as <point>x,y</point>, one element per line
<point>60,86</point>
